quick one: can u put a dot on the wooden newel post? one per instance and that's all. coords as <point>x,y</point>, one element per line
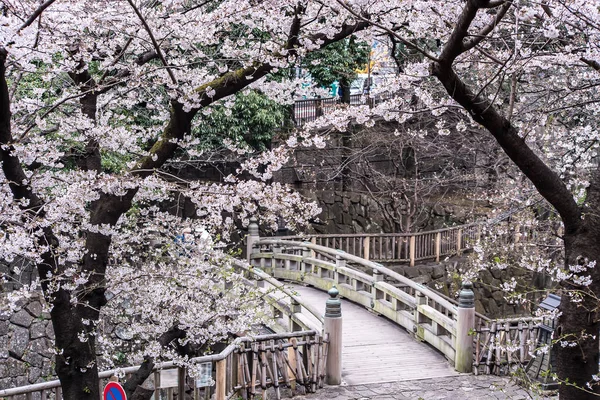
<point>221,380</point>
<point>465,324</point>
<point>339,263</point>
<point>333,328</point>
<point>295,308</point>
<point>253,237</point>
<point>411,251</point>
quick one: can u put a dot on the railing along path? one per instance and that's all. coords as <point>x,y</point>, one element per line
<point>496,345</point>
<point>401,247</point>
<point>248,366</point>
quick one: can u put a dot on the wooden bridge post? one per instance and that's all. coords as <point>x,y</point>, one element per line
<point>339,263</point>
<point>465,323</point>
<point>366,247</point>
<point>411,251</point>
<point>333,328</point>
<point>295,308</point>
<point>420,300</point>
<point>252,237</point>
<point>221,380</point>
<point>306,253</point>
<point>271,269</point>
<point>438,246</point>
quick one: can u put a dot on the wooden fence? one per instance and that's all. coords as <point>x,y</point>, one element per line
<point>504,344</point>
<point>248,366</point>
<point>401,247</point>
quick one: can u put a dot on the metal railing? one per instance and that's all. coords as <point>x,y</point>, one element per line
<point>308,110</point>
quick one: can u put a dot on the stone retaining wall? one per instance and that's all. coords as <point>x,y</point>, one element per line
<point>490,299</point>
<point>26,340</point>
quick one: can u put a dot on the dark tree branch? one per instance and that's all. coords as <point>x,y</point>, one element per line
<point>547,182</point>
<point>592,63</point>
<point>133,386</point>
<point>543,177</point>
<point>36,14</point>
<point>468,44</point>
<point>369,22</point>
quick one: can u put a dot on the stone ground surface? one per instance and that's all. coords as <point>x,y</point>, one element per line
<point>463,387</point>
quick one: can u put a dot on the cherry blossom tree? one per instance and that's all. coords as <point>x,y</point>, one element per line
<point>84,83</point>
<point>528,73</point>
<point>95,97</point>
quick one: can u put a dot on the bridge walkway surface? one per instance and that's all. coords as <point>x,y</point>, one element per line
<point>374,349</point>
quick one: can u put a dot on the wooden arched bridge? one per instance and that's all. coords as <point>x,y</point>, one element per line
<point>390,329</point>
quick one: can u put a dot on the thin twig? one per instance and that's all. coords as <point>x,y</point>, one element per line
<point>154,42</point>
<point>389,31</point>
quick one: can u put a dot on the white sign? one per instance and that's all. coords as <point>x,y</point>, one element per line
<point>204,377</point>
<point>169,378</point>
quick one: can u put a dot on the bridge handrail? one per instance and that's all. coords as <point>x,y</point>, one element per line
<point>396,234</point>
<point>370,264</point>
<point>400,247</point>
<point>280,286</point>
<point>275,302</point>
<point>432,316</point>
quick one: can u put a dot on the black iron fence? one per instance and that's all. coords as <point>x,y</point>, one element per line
<point>308,110</point>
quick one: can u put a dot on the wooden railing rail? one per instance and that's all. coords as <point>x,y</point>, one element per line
<point>249,364</point>
<point>293,313</point>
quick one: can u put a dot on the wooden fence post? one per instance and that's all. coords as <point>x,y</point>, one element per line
<point>221,381</point>
<point>181,382</point>
<point>459,242</point>
<point>252,237</point>
<point>295,308</point>
<point>333,328</point>
<point>411,251</point>
<point>366,247</point>
<point>438,246</point>
<point>339,263</point>
<point>465,323</point>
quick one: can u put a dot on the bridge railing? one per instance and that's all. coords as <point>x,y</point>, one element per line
<point>498,345</point>
<point>401,247</point>
<point>417,308</point>
<point>294,315</point>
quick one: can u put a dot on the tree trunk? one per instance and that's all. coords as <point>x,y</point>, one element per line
<point>76,364</point>
<point>576,334</point>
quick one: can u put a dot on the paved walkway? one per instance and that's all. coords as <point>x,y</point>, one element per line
<point>461,387</point>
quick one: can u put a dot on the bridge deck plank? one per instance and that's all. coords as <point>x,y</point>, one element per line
<point>375,350</point>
